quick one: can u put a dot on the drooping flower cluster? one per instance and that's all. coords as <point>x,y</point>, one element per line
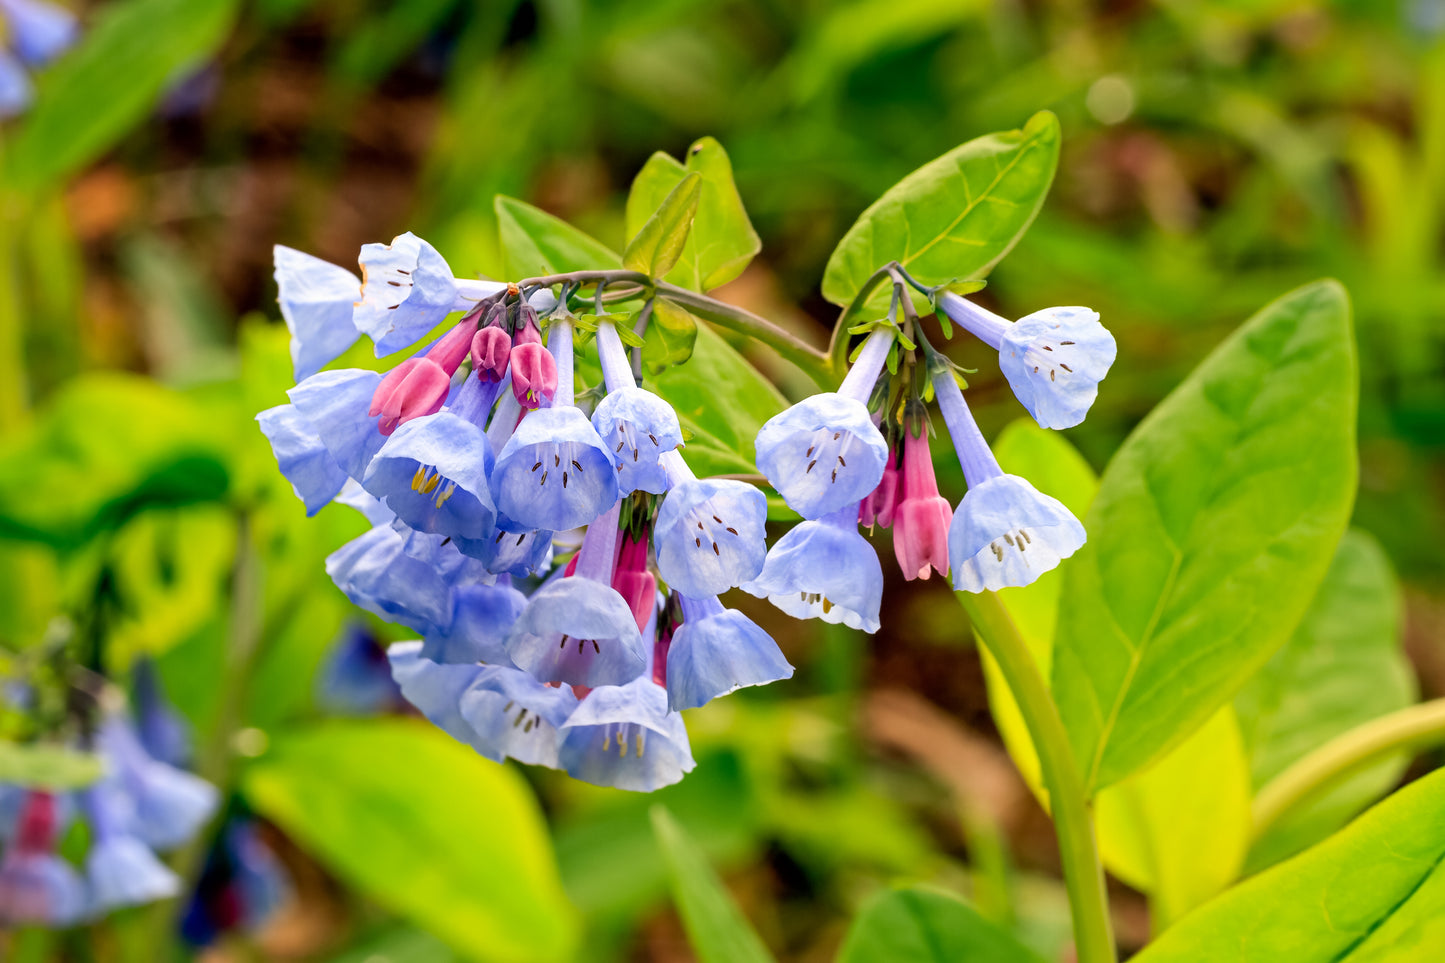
<point>32,33</point>
<point>475,466</point>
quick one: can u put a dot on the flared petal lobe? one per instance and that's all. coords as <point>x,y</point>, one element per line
<point>553,473</point>
<point>578,631</point>
<point>717,651</point>
<point>317,299</point>
<point>1054,360</point>
<point>709,536</point>
<point>625,737</point>
<point>1006,532</point>
<point>823,569</point>
<point>637,428</point>
<point>822,453</point>
<point>433,474</point>
<point>302,456</point>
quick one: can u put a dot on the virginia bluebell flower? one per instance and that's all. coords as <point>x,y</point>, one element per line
<point>168,805</point>
<point>317,299</point>
<point>354,678</point>
<point>35,32</point>
<point>432,472</point>
<point>1053,359</point>
<point>879,507</point>
<point>825,452</point>
<point>482,617</point>
<point>302,456</point>
<point>532,365</point>
<point>626,737</point>
<point>709,533</point>
<point>407,289</point>
<point>435,689</point>
<point>335,405</point>
<point>716,651</point>
<point>579,630</point>
<point>515,716</point>
<point>824,569</point>
<point>556,445</point>
<point>510,549</point>
<point>120,870</point>
<point>38,887</point>
<point>1004,532</point>
<point>377,573</point>
<point>636,425</point>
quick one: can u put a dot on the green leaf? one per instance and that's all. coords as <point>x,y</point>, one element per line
<point>716,928</point>
<point>1373,892</point>
<point>919,924</point>
<point>723,400</point>
<point>1214,524</point>
<point>1147,825</point>
<point>427,828</point>
<point>537,244</point>
<point>671,336</point>
<point>722,241</point>
<point>954,217</point>
<point>658,244</point>
<point>43,766</point>
<point>1342,667</point>
<point>126,61</point>
<point>108,447</point>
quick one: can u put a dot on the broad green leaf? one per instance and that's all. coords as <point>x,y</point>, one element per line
<point>722,241</point>
<point>1147,824</point>
<point>919,924</point>
<point>44,766</point>
<point>657,245</point>
<point>1151,824</point>
<point>1342,667</point>
<point>723,400</point>
<point>671,336</point>
<point>1213,526</point>
<point>126,60</point>
<point>1375,891</point>
<point>538,244</point>
<point>954,217</point>
<point>108,447</point>
<point>427,828</point>
<point>716,928</point>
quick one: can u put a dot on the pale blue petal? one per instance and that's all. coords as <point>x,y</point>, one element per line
<point>637,428</point>
<point>16,92</point>
<point>601,644</point>
<point>1005,532</point>
<point>39,31</point>
<point>167,805</point>
<point>554,473</point>
<point>1054,360</point>
<point>709,536</point>
<point>336,404</point>
<point>407,289</point>
<point>436,690</point>
<point>376,572</point>
<point>354,678</point>
<point>317,299</point>
<point>482,617</point>
<point>460,504</point>
<point>825,570</point>
<point>511,550</point>
<point>122,871</point>
<point>373,509</point>
<point>717,651</point>
<point>515,716</point>
<point>314,475</point>
<point>625,737</point>
<point>822,453</point>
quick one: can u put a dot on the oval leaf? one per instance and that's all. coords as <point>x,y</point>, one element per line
<point>1213,526</point>
<point>657,245</point>
<point>954,217</point>
<point>427,828</point>
<point>1375,891</point>
<point>917,924</point>
<point>1343,666</point>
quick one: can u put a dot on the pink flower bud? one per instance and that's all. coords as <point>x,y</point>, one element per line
<point>921,518</point>
<point>878,507</point>
<point>527,331</point>
<point>534,374</point>
<point>491,350</point>
<point>452,347</point>
<point>35,829</point>
<point>416,387</point>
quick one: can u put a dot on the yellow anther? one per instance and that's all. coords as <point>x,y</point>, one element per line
<point>418,478</point>
<point>431,484</point>
<point>827,606</point>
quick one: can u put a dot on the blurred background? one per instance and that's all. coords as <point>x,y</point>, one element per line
<point>1215,155</point>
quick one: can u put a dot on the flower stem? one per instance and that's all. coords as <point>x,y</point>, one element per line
<point>812,362</point>
<point>1083,874</point>
<point>1410,728</point>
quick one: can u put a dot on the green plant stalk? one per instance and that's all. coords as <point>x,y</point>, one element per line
<point>1083,873</point>
<point>1410,728</point>
<point>812,362</point>
<point>14,391</point>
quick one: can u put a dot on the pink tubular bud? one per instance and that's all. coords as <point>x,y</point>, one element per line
<point>534,374</point>
<point>879,506</point>
<point>922,517</point>
<point>527,331</point>
<point>491,350</point>
<point>452,347</point>
<point>35,829</point>
<point>633,581</point>
<point>416,387</point>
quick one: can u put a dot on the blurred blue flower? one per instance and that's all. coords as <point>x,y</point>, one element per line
<point>716,651</point>
<point>38,31</point>
<point>626,737</point>
<point>317,300</point>
<point>164,733</point>
<point>824,569</point>
<point>432,472</point>
<point>167,806</point>
<point>38,887</point>
<point>1004,532</point>
<point>709,534</point>
<point>241,886</point>
<point>120,869</point>
<point>15,89</point>
<point>354,678</point>
<point>1053,359</point>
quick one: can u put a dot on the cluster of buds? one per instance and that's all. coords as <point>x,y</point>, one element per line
<point>476,467</point>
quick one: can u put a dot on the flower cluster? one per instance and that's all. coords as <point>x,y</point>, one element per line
<point>141,806</point>
<point>476,467</point>
<point>33,32</point>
